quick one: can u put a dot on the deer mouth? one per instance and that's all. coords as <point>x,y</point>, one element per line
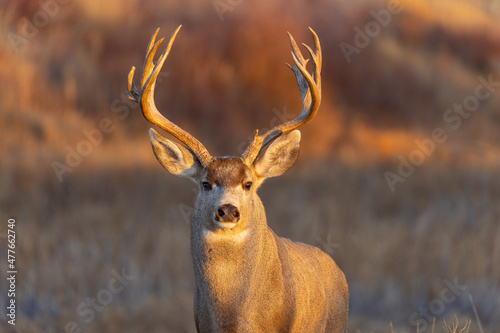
<point>226,225</point>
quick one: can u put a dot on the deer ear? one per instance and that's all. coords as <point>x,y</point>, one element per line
<point>279,156</point>
<point>174,157</point>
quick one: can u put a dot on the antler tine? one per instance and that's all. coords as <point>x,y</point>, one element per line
<point>147,68</point>
<point>310,91</point>
<point>149,64</point>
<point>318,58</point>
<point>145,97</point>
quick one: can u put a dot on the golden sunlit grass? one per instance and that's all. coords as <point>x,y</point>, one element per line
<point>392,251</point>
<point>117,209</point>
<point>455,326</point>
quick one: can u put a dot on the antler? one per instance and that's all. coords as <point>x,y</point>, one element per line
<point>145,97</point>
<point>310,90</point>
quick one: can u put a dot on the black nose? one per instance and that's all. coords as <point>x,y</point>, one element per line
<point>227,213</point>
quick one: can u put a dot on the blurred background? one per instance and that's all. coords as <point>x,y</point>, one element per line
<point>398,178</point>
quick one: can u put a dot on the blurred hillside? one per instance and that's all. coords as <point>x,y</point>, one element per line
<point>224,78</point>
<point>76,165</point>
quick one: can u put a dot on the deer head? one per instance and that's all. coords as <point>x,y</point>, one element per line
<point>227,185</point>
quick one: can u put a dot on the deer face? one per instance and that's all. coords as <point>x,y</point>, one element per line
<point>226,192</point>
<point>227,186</point>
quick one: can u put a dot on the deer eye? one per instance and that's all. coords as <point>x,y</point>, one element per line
<point>206,186</point>
<point>247,186</point>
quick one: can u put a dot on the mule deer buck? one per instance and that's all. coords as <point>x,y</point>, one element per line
<point>247,278</point>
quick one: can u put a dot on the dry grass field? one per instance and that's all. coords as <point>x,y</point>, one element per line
<point>398,178</point>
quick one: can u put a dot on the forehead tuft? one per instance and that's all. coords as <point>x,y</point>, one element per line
<point>227,171</point>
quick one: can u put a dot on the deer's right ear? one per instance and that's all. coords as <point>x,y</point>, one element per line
<point>174,157</point>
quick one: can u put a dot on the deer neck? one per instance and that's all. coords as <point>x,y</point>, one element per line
<point>228,268</point>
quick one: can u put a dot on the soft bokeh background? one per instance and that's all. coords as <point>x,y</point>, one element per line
<point>113,211</point>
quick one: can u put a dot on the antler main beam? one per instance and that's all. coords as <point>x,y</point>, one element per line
<point>310,90</point>
<point>145,97</point>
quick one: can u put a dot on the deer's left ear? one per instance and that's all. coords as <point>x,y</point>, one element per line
<point>279,156</point>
